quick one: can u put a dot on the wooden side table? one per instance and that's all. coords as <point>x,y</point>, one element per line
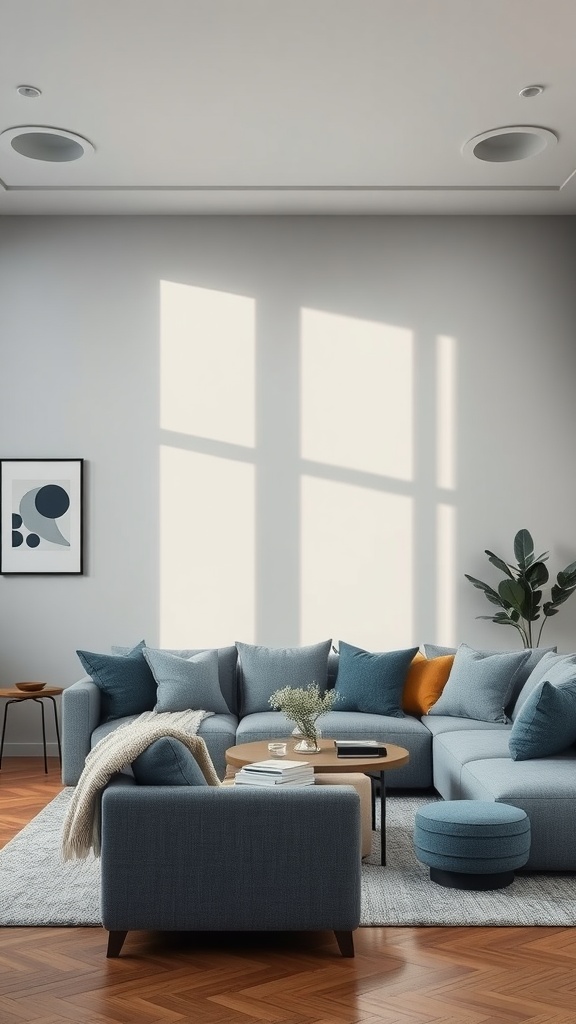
<point>14,696</point>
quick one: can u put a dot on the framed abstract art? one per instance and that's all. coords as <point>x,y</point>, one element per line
<point>41,516</point>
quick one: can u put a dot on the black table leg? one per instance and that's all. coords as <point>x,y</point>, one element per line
<point>4,727</point>
<point>373,800</point>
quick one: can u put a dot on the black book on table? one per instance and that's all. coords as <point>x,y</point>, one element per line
<point>360,750</point>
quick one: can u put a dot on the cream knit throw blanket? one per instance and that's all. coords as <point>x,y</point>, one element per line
<point>81,831</point>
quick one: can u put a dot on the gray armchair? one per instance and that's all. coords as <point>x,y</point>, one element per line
<point>230,859</point>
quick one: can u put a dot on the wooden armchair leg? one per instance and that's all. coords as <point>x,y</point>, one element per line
<point>345,942</point>
<point>115,943</point>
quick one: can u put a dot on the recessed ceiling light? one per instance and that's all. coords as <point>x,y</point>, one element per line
<point>504,145</point>
<point>531,90</point>
<point>39,142</point>
<point>29,91</point>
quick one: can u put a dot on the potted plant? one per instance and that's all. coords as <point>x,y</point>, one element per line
<point>519,594</point>
<point>303,705</point>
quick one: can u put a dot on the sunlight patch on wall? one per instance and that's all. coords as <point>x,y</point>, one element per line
<point>207,353</point>
<point>356,565</point>
<point>446,574</point>
<point>206,550</point>
<point>357,394</point>
<point>446,412</point>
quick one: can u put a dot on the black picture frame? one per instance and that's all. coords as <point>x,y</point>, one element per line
<point>41,517</point>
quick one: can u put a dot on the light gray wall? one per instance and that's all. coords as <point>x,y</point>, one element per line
<point>261,403</point>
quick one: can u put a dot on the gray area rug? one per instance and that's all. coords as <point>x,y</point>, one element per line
<point>37,889</point>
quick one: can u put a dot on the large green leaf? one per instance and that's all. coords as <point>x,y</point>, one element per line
<point>513,595</point>
<point>523,549</point>
<point>537,575</point>
<point>487,590</point>
<point>500,564</point>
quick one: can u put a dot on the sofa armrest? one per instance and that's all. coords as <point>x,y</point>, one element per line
<point>230,858</point>
<point>80,716</point>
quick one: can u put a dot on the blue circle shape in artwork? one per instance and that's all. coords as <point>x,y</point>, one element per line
<point>32,540</point>
<point>16,521</point>
<point>17,538</point>
<point>52,501</point>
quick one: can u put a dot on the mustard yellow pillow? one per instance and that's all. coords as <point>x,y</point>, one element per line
<point>424,683</point>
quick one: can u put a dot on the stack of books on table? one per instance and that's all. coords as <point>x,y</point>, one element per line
<point>276,773</point>
<point>359,748</point>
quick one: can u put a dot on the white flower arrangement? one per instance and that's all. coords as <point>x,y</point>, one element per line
<point>303,705</point>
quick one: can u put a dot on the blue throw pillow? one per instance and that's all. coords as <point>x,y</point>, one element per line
<point>546,722</point>
<point>227,668</point>
<point>372,683</point>
<point>167,762</point>
<point>535,656</point>
<point>266,669</point>
<point>539,673</point>
<point>480,684</point>
<point>127,684</point>
<point>186,683</point>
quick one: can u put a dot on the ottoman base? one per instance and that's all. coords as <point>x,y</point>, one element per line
<point>478,883</point>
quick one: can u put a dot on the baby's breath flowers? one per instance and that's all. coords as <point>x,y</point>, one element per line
<point>303,705</point>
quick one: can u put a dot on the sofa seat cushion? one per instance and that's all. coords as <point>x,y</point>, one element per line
<point>473,746</point>
<point>545,790</point>
<point>452,750</point>
<point>105,728</point>
<point>445,723</point>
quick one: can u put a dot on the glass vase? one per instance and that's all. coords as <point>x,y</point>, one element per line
<point>308,743</point>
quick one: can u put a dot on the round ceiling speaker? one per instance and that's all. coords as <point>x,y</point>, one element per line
<point>38,142</point>
<point>505,145</point>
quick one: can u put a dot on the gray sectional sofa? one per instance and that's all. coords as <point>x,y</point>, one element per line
<point>461,757</point>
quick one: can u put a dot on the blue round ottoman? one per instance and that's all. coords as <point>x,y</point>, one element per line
<point>472,844</point>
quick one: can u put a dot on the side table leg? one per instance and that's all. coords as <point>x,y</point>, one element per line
<point>4,729</point>
<point>382,819</point>
<point>57,730</point>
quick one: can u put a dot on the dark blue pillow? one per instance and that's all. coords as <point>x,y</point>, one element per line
<point>546,722</point>
<point>127,684</point>
<point>372,683</point>
<point>167,762</point>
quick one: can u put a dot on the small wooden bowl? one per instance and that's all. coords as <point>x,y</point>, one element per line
<point>30,687</point>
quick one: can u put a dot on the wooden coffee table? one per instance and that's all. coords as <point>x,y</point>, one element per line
<point>328,761</point>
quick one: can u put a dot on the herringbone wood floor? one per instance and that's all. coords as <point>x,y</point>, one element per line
<point>399,975</point>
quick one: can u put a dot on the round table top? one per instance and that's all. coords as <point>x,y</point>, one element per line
<point>324,761</point>
<point>46,691</point>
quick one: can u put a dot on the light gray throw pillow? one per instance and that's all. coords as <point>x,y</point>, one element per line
<point>536,654</point>
<point>544,670</point>
<point>480,684</point>
<point>186,683</point>
<point>266,669</point>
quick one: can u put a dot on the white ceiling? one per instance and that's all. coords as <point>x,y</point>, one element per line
<point>288,106</point>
